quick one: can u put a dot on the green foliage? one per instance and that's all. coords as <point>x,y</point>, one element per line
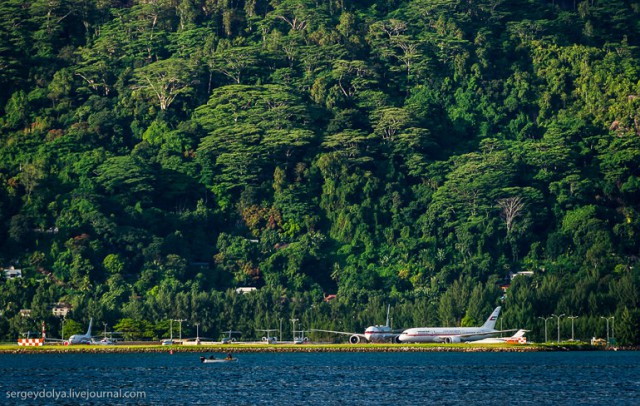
<point>134,329</point>
<point>72,327</point>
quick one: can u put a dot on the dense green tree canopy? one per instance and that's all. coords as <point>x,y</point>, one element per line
<point>154,156</point>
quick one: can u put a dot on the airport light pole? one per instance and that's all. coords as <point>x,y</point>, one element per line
<point>197,332</point>
<point>572,331</point>
<point>607,319</point>
<point>294,328</point>
<point>311,317</point>
<point>560,316</point>
<point>105,329</point>
<point>613,325</point>
<point>180,322</point>
<point>545,327</point>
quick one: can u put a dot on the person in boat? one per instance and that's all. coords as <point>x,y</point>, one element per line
<point>201,359</point>
<point>210,356</point>
<point>229,357</point>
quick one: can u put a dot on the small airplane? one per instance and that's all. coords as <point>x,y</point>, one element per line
<point>111,340</point>
<point>372,334</point>
<point>300,339</point>
<point>517,338</point>
<point>452,334</point>
<point>81,338</point>
<point>229,339</point>
<point>104,341</point>
<point>268,338</point>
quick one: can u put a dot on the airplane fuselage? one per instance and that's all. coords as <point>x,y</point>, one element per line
<point>79,340</point>
<point>379,334</point>
<point>372,334</point>
<point>444,334</point>
<point>451,334</point>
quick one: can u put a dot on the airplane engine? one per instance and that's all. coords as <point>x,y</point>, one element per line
<point>354,339</point>
<point>449,340</point>
<point>396,340</point>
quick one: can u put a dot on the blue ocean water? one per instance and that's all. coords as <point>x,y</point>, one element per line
<point>550,378</point>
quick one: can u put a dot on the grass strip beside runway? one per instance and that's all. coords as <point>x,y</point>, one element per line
<point>260,347</point>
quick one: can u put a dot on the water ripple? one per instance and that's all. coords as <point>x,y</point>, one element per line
<point>592,378</point>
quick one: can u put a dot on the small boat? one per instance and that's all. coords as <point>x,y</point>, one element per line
<point>212,360</point>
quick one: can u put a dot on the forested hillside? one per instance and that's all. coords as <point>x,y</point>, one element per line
<point>157,154</point>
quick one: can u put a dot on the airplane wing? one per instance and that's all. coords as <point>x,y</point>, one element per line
<point>487,333</point>
<point>336,332</point>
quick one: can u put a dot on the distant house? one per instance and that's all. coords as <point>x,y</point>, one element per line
<point>50,230</point>
<point>246,290</point>
<point>25,312</point>
<point>61,309</point>
<point>329,298</point>
<point>521,273</point>
<point>12,273</point>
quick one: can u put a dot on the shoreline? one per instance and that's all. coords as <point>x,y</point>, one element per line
<point>289,348</point>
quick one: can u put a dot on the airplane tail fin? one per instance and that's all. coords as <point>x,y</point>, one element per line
<point>519,333</point>
<point>491,321</point>
<point>388,308</point>
<point>89,330</point>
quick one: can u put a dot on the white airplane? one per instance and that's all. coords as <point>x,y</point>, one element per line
<point>517,338</point>
<point>230,339</point>
<point>301,339</point>
<point>372,334</point>
<point>81,338</point>
<point>452,334</point>
<point>269,339</point>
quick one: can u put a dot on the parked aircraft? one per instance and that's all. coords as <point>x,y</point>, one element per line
<point>452,334</point>
<point>230,339</point>
<point>372,334</point>
<point>517,338</point>
<point>81,338</point>
<point>299,338</point>
<point>103,341</point>
<point>269,339</point>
